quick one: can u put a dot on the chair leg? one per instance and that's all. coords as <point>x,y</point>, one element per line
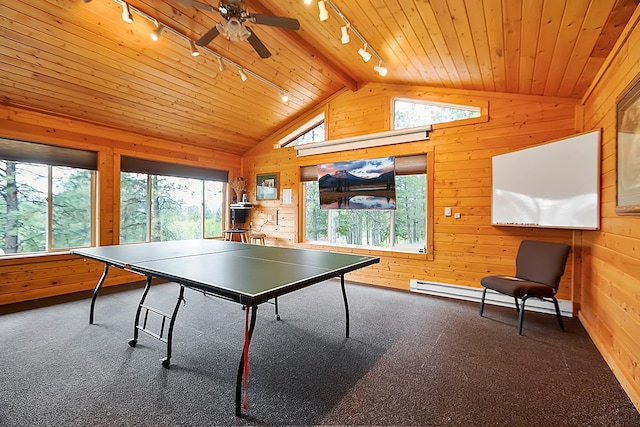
<point>555,302</point>
<point>484,293</point>
<point>517,305</point>
<point>521,315</point>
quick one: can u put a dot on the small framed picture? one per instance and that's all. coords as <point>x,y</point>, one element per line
<point>628,150</point>
<point>267,186</point>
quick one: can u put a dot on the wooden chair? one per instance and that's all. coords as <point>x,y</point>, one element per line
<point>539,267</point>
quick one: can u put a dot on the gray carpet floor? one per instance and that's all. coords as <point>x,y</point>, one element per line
<point>411,360</point>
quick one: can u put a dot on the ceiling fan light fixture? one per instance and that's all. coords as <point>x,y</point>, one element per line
<point>366,56</point>
<point>233,30</point>
<point>243,75</point>
<point>345,34</point>
<point>194,48</point>
<point>324,13</point>
<point>126,13</point>
<point>380,69</point>
<point>221,65</point>
<point>157,32</point>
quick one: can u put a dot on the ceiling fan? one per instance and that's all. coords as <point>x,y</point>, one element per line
<point>233,27</point>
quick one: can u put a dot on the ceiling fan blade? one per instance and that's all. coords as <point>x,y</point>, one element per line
<point>210,35</point>
<point>275,21</point>
<point>258,46</point>
<point>198,4</point>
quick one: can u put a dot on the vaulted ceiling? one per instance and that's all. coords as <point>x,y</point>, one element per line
<point>80,59</point>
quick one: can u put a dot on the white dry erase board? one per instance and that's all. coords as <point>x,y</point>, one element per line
<point>555,185</point>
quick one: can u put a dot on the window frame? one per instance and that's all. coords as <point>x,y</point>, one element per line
<point>483,105</point>
<point>51,163</point>
<point>149,202</point>
<point>309,125</point>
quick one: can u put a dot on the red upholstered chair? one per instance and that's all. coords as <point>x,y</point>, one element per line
<point>539,267</point>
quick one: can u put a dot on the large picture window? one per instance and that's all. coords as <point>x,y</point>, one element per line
<point>160,207</point>
<point>47,201</point>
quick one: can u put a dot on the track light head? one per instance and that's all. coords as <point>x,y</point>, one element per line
<point>243,75</point>
<point>284,96</point>
<point>221,65</point>
<point>324,13</point>
<point>194,48</point>
<point>345,34</point>
<point>157,32</point>
<point>366,56</point>
<point>305,1</point>
<point>380,69</point>
<point>126,13</point>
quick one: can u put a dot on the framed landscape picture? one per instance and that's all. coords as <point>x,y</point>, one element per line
<point>628,150</point>
<point>267,186</point>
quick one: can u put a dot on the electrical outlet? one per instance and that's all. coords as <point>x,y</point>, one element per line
<point>457,215</point>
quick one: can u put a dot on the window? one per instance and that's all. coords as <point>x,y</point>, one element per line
<point>411,113</point>
<point>160,207</point>
<point>45,207</point>
<point>402,229</point>
<point>311,131</point>
<point>314,135</point>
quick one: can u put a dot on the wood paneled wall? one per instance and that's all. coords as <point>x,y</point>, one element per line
<point>31,277</point>
<point>611,269</point>
<point>465,249</point>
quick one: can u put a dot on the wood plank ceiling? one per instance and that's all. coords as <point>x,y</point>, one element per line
<point>81,60</point>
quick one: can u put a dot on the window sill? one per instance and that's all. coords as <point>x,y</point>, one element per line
<point>30,258</point>
<point>367,250</point>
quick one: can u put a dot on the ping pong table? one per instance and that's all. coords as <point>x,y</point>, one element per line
<point>246,274</point>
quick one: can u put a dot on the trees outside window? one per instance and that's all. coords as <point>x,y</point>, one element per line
<point>45,208</point>
<point>160,208</point>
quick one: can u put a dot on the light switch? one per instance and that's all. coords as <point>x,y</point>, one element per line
<point>447,211</point>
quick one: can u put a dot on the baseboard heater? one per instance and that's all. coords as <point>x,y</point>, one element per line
<point>468,293</point>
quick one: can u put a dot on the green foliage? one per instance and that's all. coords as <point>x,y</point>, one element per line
<point>27,209</point>
<point>71,215</point>
<point>134,203</point>
<point>315,218</point>
<point>410,214</point>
